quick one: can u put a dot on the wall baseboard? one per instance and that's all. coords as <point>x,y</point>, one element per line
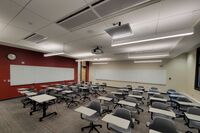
<point>11,98</point>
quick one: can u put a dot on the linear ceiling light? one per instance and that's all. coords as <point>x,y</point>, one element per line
<point>153,39</point>
<point>100,63</point>
<point>148,61</point>
<point>148,56</point>
<point>53,54</point>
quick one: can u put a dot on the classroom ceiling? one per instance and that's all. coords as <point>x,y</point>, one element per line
<point>22,18</point>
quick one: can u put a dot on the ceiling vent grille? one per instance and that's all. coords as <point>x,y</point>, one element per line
<point>113,6</point>
<point>36,38</point>
<point>101,9</point>
<point>78,18</point>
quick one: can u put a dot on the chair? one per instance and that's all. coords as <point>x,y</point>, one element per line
<point>136,93</point>
<point>129,87</point>
<point>160,105</point>
<point>75,90</point>
<point>95,90</point>
<point>42,91</point>
<point>156,96</point>
<point>192,123</point>
<point>171,91</point>
<point>56,94</point>
<point>102,88</point>
<point>85,93</point>
<point>125,114</point>
<point>141,88</point>
<point>154,89</point>
<point>95,106</point>
<point>134,100</point>
<point>179,107</point>
<point>69,99</point>
<point>107,104</point>
<point>163,125</point>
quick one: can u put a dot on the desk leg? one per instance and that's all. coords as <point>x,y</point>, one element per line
<point>44,112</point>
<point>33,108</point>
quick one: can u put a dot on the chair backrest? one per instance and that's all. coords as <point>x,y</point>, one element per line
<point>158,96</point>
<point>105,84</point>
<point>183,99</point>
<point>42,91</point>
<point>95,105</point>
<point>193,110</point>
<point>140,86</point>
<point>160,105</point>
<point>132,99</point>
<point>129,86</point>
<point>123,113</point>
<point>170,91</point>
<point>136,93</point>
<point>163,125</point>
<point>154,88</point>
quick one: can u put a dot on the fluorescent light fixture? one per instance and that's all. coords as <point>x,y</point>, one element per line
<point>148,56</point>
<point>148,61</point>
<point>95,59</point>
<point>153,39</point>
<point>101,59</point>
<point>80,55</point>
<point>99,63</point>
<point>53,54</point>
<point>149,47</point>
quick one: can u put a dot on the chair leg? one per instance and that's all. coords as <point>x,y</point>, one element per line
<point>92,126</point>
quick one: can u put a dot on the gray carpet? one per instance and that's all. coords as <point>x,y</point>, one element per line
<point>16,119</point>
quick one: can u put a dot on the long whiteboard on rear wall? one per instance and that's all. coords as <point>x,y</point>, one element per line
<point>152,76</point>
<point>24,74</point>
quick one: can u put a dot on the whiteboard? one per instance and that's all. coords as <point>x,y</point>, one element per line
<point>152,76</point>
<point>24,74</point>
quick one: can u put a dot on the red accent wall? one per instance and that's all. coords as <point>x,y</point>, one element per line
<point>29,58</point>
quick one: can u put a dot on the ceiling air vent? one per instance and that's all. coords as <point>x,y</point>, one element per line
<point>78,18</point>
<point>36,38</point>
<point>110,7</point>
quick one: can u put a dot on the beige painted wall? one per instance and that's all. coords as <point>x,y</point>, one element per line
<point>181,69</point>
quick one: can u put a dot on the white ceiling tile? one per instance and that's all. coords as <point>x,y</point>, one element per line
<point>92,30</point>
<point>21,2</point>
<point>144,29</point>
<point>175,23</point>
<point>90,1</point>
<point>2,25</point>
<point>8,10</point>
<point>55,9</point>
<point>52,30</point>
<point>142,15</point>
<point>12,34</point>
<point>68,37</point>
<point>29,21</point>
<point>174,7</point>
<point>103,40</point>
<point>50,46</point>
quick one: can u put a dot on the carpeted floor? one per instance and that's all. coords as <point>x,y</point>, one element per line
<point>16,119</point>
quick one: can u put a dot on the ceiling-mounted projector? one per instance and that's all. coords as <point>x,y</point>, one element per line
<point>119,31</point>
<point>97,50</point>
